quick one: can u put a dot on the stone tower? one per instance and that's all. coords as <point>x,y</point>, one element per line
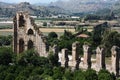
<point>100,58</point>
<point>87,56</point>
<point>27,35</point>
<point>115,60</point>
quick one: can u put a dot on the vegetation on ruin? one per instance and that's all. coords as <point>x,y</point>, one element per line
<point>29,66</point>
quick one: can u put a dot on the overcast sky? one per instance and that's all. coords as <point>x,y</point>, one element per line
<point>31,1</point>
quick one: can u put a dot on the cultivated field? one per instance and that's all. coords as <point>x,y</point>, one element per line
<point>44,30</point>
<point>55,30</point>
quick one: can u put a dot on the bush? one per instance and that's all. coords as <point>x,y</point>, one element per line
<point>5,55</point>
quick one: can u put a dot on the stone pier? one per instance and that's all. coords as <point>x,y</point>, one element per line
<point>65,58</point>
<point>75,55</point>
<point>55,49</point>
<point>115,60</point>
<point>87,57</point>
<point>100,58</point>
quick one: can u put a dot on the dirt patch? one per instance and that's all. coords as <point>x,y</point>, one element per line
<point>55,30</point>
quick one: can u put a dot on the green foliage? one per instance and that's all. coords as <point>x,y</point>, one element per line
<point>98,33</point>
<point>53,58</point>
<point>79,75</point>
<point>5,40</point>
<point>91,75</point>
<point>44,23</point>
<point>35,77</point>
<point>110,39</point>
<point>92,17</point>
<point>21,78</point>
<point>58,73</point>
<point>105,75</point>
<point>3,75</point>
<point>10,76</point>
<point>68,75</point>
<point>67,35</point>
<point>48,71</point>
<point>66,40</point>
<point>30,57</point>
<point>37,70</point>
<point>52,38</point>
<point>29,66</point>
<point>52,35</point>
<point>5,55</point>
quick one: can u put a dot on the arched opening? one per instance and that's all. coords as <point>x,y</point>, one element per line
<point>30,44</point>
<point>21,45</point>
<point>21,21</point>
<point>30,32</point>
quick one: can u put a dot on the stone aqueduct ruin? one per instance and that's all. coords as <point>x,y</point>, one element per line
<point>27,36</point>
<point>75,62</point>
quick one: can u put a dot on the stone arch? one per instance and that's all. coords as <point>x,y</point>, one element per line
<point>21,21</point>
<point>30,32</point>
<point>21,45</point>
<point>30,44</point>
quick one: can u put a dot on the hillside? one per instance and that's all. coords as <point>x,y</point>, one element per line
<point>77,6</point>
<point>8,10</point>
<point>116,8</point>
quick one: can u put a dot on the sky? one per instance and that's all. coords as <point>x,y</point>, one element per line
<point>31,1</point>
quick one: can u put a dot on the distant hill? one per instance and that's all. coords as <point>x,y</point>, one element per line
<point>116,8</point>
<point>70,7</point>
<point>84,7</point>
<point>77,6</point>
<point>8,10</point>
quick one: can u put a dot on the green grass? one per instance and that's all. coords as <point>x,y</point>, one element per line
<point>6,33</point>
<point>6,27</point>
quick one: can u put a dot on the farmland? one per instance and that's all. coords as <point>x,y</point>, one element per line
<point>44,30</point>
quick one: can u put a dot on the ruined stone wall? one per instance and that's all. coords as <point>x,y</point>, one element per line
<point>75,61</point>
<point>27,35</point>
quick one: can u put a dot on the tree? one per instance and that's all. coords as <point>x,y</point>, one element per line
<point>67,35</point>
<point>5,55</point>
<point>52,38</point>
<point>92,17</point>
<point>10,76</point>
<point>52,35</point>
<point>35,77</point>
<point>3,75</point>
<point>37,71</point>
<point>110,38</point>
<point>5,40</point>
<point>105,75</point>
<point>31,57</point>
<point>98,33</point>
<point>79,75</point>
<point>66,40</point>
<point>21,78</point>
<point>44,23</point>
<point>53,58</point>
<point>68,75</point>
<point>58,73</point>
<point>91,75</point>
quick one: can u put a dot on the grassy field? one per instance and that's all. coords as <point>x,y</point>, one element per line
<point>6,33</point>
<point>44,30</point>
